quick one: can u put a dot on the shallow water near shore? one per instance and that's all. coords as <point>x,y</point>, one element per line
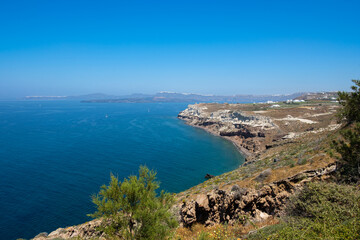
<point>55,154</point>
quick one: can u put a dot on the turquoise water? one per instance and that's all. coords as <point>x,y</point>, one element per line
<point>55,154</point>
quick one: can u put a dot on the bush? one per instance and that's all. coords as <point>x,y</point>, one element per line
<point>349,146</point>
<point>263,175</point>
<point>320,211</point>
<point>350,112</point>
<point>132,210</point>
<point>349,149</point>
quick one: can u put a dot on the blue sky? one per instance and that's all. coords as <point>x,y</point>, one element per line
<point>209,47</point>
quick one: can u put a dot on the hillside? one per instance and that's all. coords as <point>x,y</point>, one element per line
<point>286,147</point>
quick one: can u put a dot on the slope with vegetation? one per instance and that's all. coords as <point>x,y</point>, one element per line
<point>303,185</point>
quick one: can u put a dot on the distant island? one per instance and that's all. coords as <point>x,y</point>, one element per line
<point>188,97</point>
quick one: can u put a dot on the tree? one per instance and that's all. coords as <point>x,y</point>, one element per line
<point>349,145</point>
<point>132,210</point>
<point>349,149</point>
<point>350,112</point>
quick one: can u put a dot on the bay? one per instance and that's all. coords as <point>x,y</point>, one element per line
<point>55,154</point>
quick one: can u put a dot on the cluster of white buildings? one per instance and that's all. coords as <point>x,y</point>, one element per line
<point>289,101</point>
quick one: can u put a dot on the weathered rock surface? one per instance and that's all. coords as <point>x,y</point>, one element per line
<point>221,206</point>
<point>249,132</point>
<point>218,206</point>
<point>254,131</point>
<point>208,176</point>
<point>82,231</point>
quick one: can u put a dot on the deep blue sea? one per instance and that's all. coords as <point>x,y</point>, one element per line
<point>55,154</point>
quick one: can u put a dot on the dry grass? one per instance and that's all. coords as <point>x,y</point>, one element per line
<point>309,152</point>
<point>220,231</point>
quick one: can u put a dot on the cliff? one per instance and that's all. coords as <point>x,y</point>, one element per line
<point>286,147</point>
<point>255,127</point>
<point>219,206</point>
<point>250,132</point>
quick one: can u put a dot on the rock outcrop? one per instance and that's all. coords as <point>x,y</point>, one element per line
<point>252,131</point>
<point>221,206</point>
<point>249,132</point>
<point>83,231</point>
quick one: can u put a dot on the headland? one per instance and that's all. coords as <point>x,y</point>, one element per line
<point>286,145</point>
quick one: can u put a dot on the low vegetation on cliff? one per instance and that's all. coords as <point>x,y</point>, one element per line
<point>325,209</point>
<point>300,181</point>
<point>329,210</point>
<point>320,211</point>
<point>132,210</point>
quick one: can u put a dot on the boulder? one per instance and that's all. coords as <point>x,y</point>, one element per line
<point>219,206</point>
<point>208,176</point>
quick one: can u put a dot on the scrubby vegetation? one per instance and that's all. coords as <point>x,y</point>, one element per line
<point>329,210</point>
<point>350,112</point>
<point>320,211</point>
<point>348,146</point>
<point>132,210</point>
<point>349,149</point>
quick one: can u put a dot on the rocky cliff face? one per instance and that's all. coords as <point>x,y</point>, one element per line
<point>253,128</point>
<point>218,206</point>
<point>221,206</point>
<point>282,135</point>
<point>83,231</point>
<point>250,132</point>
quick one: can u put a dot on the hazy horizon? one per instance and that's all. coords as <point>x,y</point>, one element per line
<point>153,94</point>
<point>204,47</point>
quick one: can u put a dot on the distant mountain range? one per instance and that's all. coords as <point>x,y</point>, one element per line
<point>318,96</point>
<point>181,97</point>
<point>80,97</point>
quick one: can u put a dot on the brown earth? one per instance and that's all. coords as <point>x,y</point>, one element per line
<point>271,126</point>
<point>295,146</point>
<point>286,147</point>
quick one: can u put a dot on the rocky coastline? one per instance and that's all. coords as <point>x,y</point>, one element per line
<point>249,132</point>
<point>259,189</point>
<point>219,206</point>
<point>253,131</point>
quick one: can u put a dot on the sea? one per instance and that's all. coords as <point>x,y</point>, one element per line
<point>54,155</point>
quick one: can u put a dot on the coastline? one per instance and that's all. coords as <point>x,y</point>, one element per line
<point>89,226</point>
<point>63,230</point>
<point>241,149</point>
<point>273,162</point>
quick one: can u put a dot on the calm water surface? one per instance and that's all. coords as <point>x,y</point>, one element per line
<point>55,154</point>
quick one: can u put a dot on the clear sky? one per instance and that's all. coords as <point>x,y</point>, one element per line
<point>59,47</point>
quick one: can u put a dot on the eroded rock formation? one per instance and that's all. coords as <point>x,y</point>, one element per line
<point>221,206</point>
<point>83,231</point>
<point>249,132</point>
<point>253,128</point>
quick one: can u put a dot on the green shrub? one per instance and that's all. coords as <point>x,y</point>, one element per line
<point>320,211</point>
<point>302,161</point>
<point>349,145</point>
<point>203,236</point>
<point>349,149</point>
<point>350,112</point>
<point>132,209</point>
